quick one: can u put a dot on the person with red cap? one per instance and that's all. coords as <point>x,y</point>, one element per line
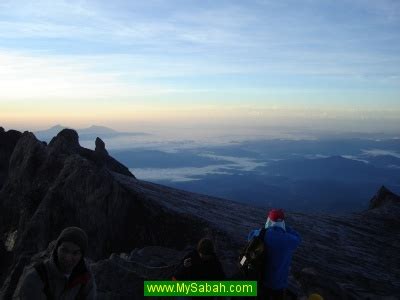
<point>280,242</point>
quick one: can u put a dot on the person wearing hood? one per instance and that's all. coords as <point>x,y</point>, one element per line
<point>280,242</point>
<point>65,275</point>
<point>200,264</point>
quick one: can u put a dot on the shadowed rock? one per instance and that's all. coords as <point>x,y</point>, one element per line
<point>100,146</point>
<point>383,197</point>
<point>66,142</point>
<point>51,187</point>
<point>8,140</point>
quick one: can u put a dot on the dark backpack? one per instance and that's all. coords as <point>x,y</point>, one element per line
<point>252,257</point>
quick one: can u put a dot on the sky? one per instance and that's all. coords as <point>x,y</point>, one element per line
<point>183,64</point>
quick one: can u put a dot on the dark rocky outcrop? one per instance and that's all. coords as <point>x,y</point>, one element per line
<point>50,187</point>
<point>383,197</point>
<point>100,146</point>
<point>62,184</point>
<point>5,257</point>
<point>66,142</point>
<point>8,140</point>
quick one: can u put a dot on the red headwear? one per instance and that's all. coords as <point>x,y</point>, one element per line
<point>276,215</point>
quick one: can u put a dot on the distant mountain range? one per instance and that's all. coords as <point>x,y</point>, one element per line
<point>139,230</point>
<point>89,133</point>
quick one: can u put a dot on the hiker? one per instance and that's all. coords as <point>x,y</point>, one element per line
<point>65,275</point>
<point>200,264</point>
<point>280,241</point>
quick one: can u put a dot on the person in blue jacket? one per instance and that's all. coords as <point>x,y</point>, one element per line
<point>280,242</point>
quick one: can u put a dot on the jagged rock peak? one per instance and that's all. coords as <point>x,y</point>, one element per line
<point>382,197</point>
<point>100,146</point>
<point>11,132</point>
<point>66,139</point>
<point>11,135</point>
<point>8,140</point>
<point>27,137</point>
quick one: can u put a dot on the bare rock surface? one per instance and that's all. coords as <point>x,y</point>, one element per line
<point>100,146</point>
<point>8,140</point>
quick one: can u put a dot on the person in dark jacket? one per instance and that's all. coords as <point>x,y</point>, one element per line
<point>280,242</point>
<point>201,264</point>
<point>65,275</point>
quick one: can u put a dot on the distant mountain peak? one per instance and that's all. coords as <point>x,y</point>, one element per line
<point>87,133</point>
<point>98,127</point>
<point>58,126</point>
<point>383,197</point>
